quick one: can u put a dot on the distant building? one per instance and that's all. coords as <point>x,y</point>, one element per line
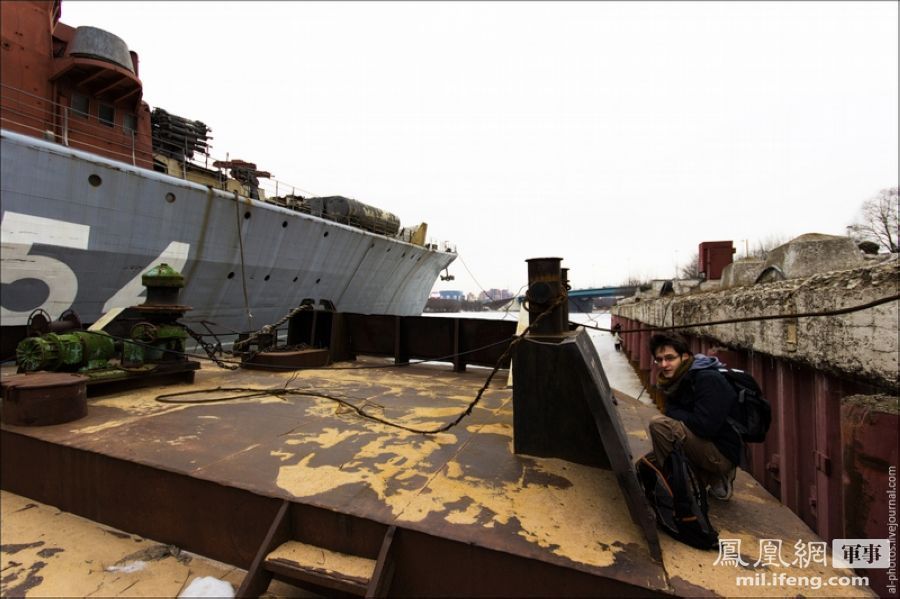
<point>452,295</point>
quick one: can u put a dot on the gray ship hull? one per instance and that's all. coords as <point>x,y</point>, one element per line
<point>79,230</point>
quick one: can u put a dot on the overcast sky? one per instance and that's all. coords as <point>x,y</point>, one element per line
<point>616,136</point>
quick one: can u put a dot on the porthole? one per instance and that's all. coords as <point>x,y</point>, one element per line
<point>231,275</point>
<point>284,225</point>
<point>266,278</point>
<point>170,197</point>
<point>295,279</point>
<point>95,180</point>
<point>317,281</point>
<point>403,255</point>
<point>389,249</point>
<point>326,234</point>
<point>247,214</point>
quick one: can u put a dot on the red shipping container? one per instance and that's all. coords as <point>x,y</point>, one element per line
<point>714,257</point>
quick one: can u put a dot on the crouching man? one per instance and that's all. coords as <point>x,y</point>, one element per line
<point>698,400</point>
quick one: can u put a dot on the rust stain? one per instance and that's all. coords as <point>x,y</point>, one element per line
<point>50,551</point>
<point>31,580</point>
<point>15,548</point>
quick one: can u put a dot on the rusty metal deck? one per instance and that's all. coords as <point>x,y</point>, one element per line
<point>470,516</point>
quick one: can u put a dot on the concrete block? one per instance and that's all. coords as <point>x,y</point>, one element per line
<point>813,253</point>
<point>741,273</point>
<point>862,344</point>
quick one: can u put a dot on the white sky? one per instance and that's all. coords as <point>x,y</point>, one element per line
<point>614,135</point>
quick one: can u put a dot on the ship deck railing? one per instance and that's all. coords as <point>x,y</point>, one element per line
<point>42,117</point>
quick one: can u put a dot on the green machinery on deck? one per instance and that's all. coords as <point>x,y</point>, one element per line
<point>66,351</point>
<point>137,339</point>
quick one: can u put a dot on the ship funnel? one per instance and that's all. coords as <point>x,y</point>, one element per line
<point>91,42</point>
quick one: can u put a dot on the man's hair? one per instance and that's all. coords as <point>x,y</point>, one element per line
<point>675,341</point>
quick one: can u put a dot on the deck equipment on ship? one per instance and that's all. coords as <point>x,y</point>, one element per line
<point>134,344</point>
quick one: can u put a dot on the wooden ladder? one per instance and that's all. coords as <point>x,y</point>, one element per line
<point>305,565</point>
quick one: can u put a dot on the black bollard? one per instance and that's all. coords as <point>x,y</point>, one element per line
<point>545,286</point>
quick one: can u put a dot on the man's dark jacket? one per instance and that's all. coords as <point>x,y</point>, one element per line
<point>702,398</point>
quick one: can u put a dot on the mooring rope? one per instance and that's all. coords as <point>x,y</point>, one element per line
<point>837,312</point>
<point>237,212</point>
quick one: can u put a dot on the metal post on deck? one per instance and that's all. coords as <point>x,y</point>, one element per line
<point>564,314</point>
<point>545,286</point>
<point>563,406</point>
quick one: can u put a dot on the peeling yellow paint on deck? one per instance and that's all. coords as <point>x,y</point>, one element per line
<point>375,464</point>
<point>494,428</point>
<point>583,522</point>
<point>328,438</point>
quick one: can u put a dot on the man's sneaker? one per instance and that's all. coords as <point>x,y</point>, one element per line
<point>723,488</point>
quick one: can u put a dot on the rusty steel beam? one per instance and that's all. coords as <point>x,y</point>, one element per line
<point>384,567</point>
<point>461,341</point>
<point>225,523</point>
<point>829,458</point>
<point>258,578</point>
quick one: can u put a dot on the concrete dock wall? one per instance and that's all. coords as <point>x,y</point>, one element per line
<point>860,344</point>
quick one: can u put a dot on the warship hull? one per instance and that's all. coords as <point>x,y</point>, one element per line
<point>79,230</point>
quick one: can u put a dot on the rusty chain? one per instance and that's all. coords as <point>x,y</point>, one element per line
<point>265,330</point>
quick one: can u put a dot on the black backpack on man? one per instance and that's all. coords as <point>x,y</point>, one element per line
<point>678,499</point>
<point>752,414</point>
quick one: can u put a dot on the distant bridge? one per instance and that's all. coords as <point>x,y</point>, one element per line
<point>603,292</point>
<point>580,300</point>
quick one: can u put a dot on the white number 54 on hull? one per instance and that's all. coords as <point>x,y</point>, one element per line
<point>18,233</point>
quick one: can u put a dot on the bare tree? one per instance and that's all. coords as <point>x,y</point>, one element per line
<point>879,220</point>
<point>635,281</point>
<point>764,246</point>
<point>691,270</point>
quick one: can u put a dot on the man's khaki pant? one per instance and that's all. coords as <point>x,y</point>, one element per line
<point>702,453</point>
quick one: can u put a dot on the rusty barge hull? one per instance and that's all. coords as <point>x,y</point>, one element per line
<point>464,515</point>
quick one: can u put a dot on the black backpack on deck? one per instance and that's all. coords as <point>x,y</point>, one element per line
<point>678,498</point>
<point>752,414</point>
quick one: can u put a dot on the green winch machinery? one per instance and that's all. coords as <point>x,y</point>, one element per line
<point>140,340</point>
<point>67,351</point>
